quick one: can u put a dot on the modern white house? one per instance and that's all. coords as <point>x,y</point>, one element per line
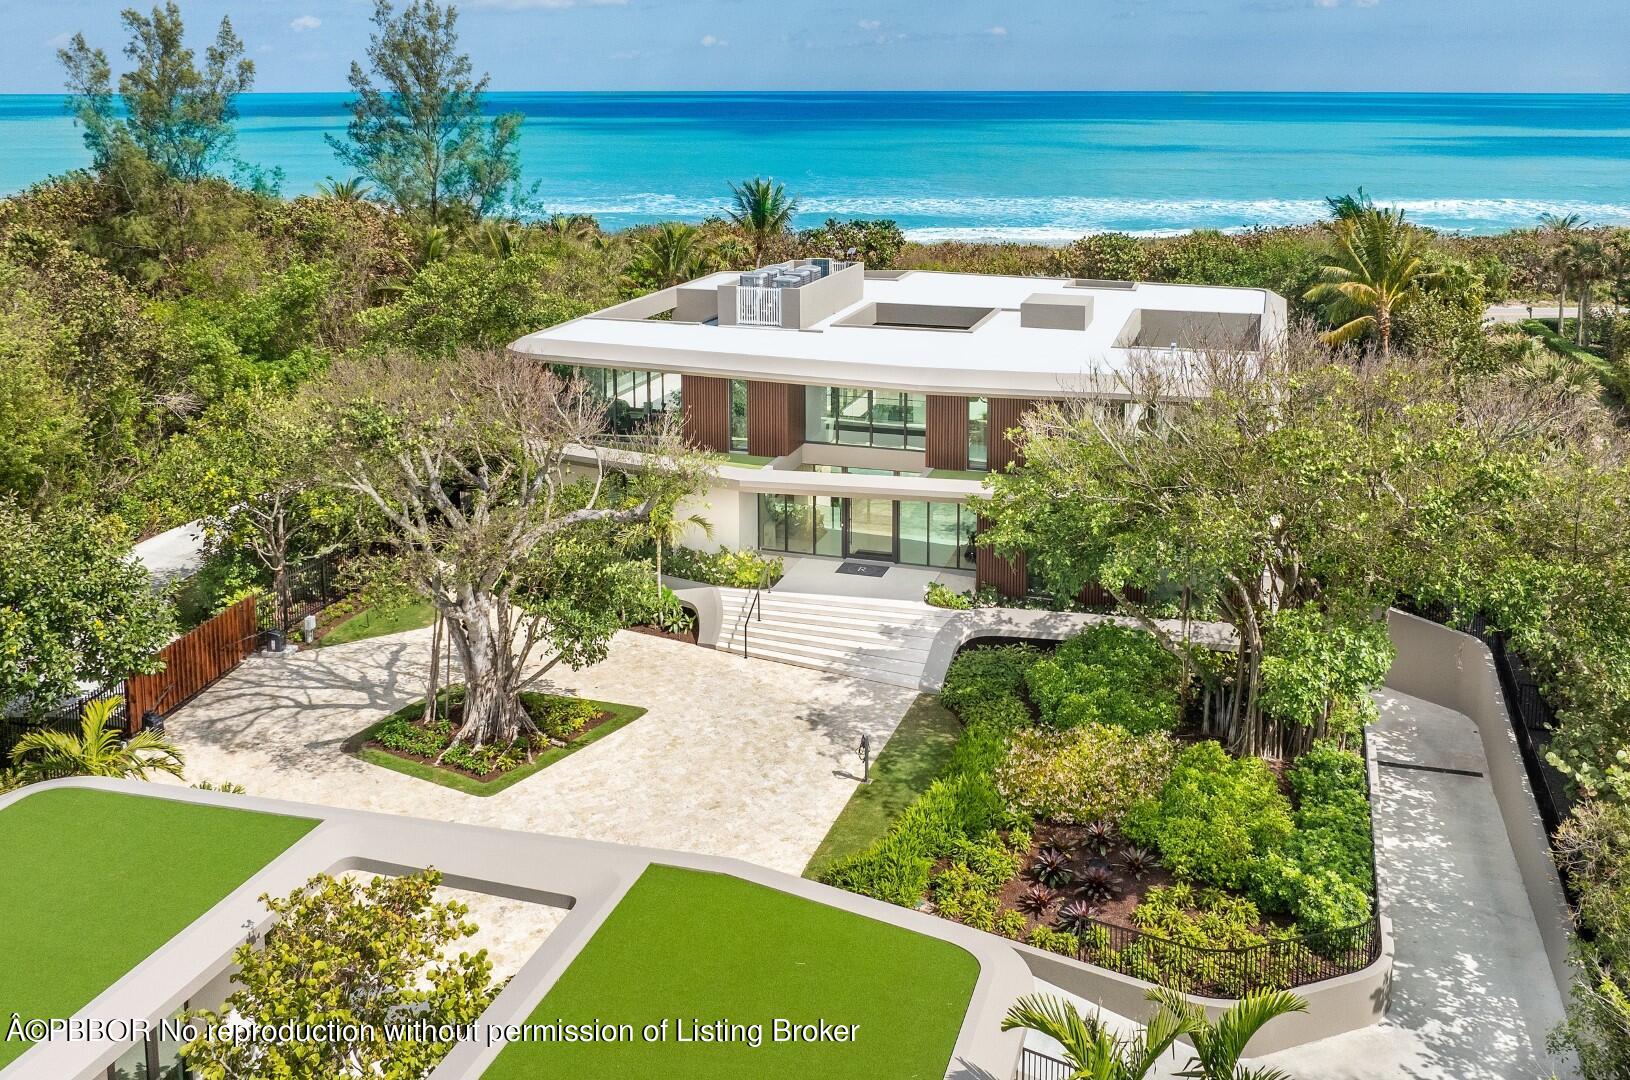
<point>859,409</point>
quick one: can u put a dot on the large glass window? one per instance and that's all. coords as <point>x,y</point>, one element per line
<point>801,524</point>
<point>978,433</point>
<point>853,417</point>
<point>937,534</point>
<point>632,396</point>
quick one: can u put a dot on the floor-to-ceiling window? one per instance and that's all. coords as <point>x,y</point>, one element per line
<point>738,415</point>
<point>632,396</point>
<point>978,433</point>
<point>801,524</point>
<point>937,534</point>
<point>850,416</point>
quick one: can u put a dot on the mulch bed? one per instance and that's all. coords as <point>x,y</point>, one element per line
<point>688,637</point>
<point>599,718</point>
<point>1071,839</point>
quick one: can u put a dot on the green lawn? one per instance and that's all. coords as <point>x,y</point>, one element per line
<point>688,947</point>
<point>621,716</point>
<point>379,621</point>
<point>736,457</point>
<point>92,882</point>
<point>915,754</point>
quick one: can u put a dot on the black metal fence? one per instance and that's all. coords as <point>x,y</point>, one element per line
<point>1533,721</point>
<point>1034,1065</point>
<point>1281,964</point>
<point>65,716</point>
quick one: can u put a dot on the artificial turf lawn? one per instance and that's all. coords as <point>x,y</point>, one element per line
<point>379,621</point>
<point>621,716</point>
<point>691,946</point>
<point>92,882</point>
<point>914,756</point>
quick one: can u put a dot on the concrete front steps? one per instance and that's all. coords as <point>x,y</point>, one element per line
<point>884,641</point>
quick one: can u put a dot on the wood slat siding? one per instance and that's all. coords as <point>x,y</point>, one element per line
<point>775,418</point>
<point>946,446</point>
<point>705,407</point>
<point>1004,416</point>
<point>1008,575</point>
<point>193,661</point>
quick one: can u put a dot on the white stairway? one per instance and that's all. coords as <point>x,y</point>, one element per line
<point>884,641</point>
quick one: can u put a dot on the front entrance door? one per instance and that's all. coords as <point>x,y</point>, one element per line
<point>869,529</point>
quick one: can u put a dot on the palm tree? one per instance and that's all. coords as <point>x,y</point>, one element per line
<point>1378,260</point>
<point>353,190</point>
<point>1561,226</point>
<point>670,255</point>
<point>1343,207</point>
<point>572,226</point>
<point>763,210</point>
<point>1585,259</point>
<point>668,528</point>
<point>97,750</point>
<point>1090,1048</point>
<point>1220,1043</point>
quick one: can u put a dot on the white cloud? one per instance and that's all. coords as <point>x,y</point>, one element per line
<point>869,24</point>
<point>709,41</point>
<point>997,31</point>
<point>305,22</point>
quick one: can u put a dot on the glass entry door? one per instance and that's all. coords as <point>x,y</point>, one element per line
<point>869,529</point>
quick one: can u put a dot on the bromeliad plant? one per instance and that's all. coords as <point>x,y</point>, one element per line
<point>1051,868</point>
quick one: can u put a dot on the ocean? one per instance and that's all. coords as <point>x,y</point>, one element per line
<point>1017,166</point>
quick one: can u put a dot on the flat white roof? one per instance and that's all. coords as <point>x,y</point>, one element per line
<point>999,357</point>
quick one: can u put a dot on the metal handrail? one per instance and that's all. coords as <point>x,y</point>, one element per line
<point>755,607</point>
<point>1035,1065</point>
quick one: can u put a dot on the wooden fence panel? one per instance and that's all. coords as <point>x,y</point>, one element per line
<point>193,661</point>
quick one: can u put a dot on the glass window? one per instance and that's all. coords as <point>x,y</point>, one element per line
<point>772,522</point>
<point>914,532</point>
<point>738,415</point>
<point>882,418</point>
<point>632,397</point>
<point>800,514</point>
<point>944,535</point>
<point>828,526</point>
<point>978,433</point>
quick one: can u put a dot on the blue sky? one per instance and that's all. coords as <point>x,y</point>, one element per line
<point>1425,45</point>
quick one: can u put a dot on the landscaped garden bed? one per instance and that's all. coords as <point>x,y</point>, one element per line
<point>1083,812</point>
<point>406,742</point>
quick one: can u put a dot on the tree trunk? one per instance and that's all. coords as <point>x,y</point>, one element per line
<point>1383,322</point>
<point>433,684</point>
<point>492,705</point>
<point>1584,307</point>
<point>1561,302</point>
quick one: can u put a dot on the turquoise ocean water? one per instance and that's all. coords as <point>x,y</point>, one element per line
<point>1010,165</point>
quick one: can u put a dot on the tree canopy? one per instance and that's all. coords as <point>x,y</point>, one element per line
<point>417,133</point>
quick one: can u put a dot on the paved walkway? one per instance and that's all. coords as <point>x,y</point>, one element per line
<point>735,757</point>
<point>1473,997</point>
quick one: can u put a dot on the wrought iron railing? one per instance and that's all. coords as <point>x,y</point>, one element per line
<point>1035,1065</point>
<point>65,716</point>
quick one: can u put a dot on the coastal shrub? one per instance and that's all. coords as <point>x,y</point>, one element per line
<point>1215,816</point>
<point>987,674</point>
<point>1108,675</point>
<point>1089,773</point>
<point>943,596</point>
<point>1322,875</point>
<point>742,569</point>
<point>1057,941</point>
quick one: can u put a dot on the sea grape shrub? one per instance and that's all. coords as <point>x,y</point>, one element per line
<point>1089,773</point>
<point>987,674</point>
<point>1108,675</point>
<point>1214,818</point>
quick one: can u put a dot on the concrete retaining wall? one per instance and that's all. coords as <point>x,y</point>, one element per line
<point>1456,671</point>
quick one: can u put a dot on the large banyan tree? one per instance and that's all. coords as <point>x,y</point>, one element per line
<point>500,511</point>
<point>1292,495</point>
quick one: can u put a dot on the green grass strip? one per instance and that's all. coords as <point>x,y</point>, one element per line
<point>914,756</point>
<point>93,882</point>
<point>621,715</point>
<point>379,621</point>
<point>686,947</point>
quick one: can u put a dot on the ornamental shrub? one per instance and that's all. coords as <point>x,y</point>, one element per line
<point>559,718</point>
<point>1058,941</point>
<point>987,674</point>
<point>744,569</point>
<point>1322,877</point>
<point>1088,773</point>
<point>966,896</point>
<point>1108,675</point>
<point>1215,817</point>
